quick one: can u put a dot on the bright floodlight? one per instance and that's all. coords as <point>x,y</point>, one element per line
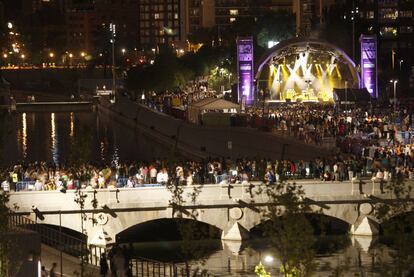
<point>9,25</point>
<point>22,56</point>
<point>4,55</point>
<point>83,54</point>
<point>51,54</point>
<point>268,259</point>
<point>70,55</point>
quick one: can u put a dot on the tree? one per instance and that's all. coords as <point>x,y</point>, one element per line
<point>290,233</point>
<point>187,224</point>
<point>399,214</point>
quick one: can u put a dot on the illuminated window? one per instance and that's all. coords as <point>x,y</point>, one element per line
<point>388,31</point>
<point>388,13</point>
<point>406,14</point>
<point>370,14</point>
<point>232,19</point>
<point>234,12</point>
<point>406,29</point>
<point>157,16</point>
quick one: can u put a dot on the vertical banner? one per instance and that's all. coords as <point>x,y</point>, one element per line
<point>245,69</point>
<point>369,72</point>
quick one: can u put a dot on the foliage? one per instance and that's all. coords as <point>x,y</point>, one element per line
<point>276,27</point>
<point>261,271</point>
<point>187,224</point>
<point>398,219</point>
<point>80,147</point>
<point>10,255</point>
<point>171,73</point>
<point>289,231</point>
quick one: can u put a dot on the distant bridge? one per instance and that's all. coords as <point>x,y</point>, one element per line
<point>234,210</point>
<point>78,106</point>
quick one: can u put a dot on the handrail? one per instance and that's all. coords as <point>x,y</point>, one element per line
<point>67,243</point>
<point>143,267</point>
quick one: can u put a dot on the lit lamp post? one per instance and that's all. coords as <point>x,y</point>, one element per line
<point>346,96</point>
<point>5,56</point>
<point>112,29</point>
<point>401,61</point>
<point>22,56</point>
<point>395,93</point>
<point>70,59</point>
<point>51,55</point>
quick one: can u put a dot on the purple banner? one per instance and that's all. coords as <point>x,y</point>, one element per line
<point>369,73</point>
<point>245,69</point>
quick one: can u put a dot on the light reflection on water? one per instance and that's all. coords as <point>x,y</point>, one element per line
<point>54,136</point>
<point>24,136</point>
<point>48,136</point>
<point>356,256</point>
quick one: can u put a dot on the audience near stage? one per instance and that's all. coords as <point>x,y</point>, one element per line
<point>371,141</point>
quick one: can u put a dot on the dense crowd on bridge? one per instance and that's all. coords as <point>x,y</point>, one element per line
<point>44,176</point>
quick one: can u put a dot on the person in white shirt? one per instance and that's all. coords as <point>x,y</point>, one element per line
<point>159,177</point>
<point>38,185</point>
<point>5,186</point>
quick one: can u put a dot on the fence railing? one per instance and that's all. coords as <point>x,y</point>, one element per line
<point>68,244</point>
<point>148,268</point>
<point>140,267</point>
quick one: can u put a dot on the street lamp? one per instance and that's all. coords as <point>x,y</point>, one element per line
<point>112,29</point>
<point>346,96</point>
<point>51,55</point>
<point>123,51</point>
<point>395,93</point>
<point>401,61</point>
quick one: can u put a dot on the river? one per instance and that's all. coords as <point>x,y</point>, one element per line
<point>50,137</point>
<point>335,256</point>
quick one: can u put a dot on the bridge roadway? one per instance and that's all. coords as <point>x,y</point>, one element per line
<point>233,211</point>
<point>62,106</point>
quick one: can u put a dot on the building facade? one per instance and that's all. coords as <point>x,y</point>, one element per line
<point>392,22</point>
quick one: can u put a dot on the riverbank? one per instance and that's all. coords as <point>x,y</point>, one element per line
<point>208,141</point>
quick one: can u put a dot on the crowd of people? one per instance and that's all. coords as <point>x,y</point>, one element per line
<point>377,163</point>
<point>370,141</point>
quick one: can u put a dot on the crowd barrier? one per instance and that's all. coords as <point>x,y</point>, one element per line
<point>121,182</point>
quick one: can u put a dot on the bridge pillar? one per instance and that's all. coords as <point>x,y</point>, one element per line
<point>365,227</point>
<point>100,237</point>
<point>235,232</point>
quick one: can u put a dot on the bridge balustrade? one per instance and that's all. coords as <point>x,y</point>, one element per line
<point>68,244</point>
<point>142,267</point>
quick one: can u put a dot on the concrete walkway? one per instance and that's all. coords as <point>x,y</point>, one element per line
<point>71,265</point>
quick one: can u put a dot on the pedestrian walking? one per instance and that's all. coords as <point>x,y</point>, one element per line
<point>103,263</point>
<point>52,272</point>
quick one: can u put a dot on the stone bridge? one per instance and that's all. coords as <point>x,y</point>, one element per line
<point>234,211</point>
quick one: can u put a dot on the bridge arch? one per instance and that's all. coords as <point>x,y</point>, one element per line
<point>321,223</point>
<point>167,229</point>
<point>305,69</point>
<point>402,222</point>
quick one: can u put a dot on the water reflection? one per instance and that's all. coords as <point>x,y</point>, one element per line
<point>54,137</point>
<point>24,136</point>
<point>72,125</point>
<point>49,136</point>
<point>355,256</point>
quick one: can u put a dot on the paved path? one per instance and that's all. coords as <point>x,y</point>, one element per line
<point>71,264</point>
